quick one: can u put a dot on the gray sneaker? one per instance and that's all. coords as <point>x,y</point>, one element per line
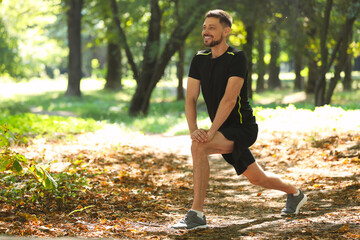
<point>191,221</point>
<point>293,204</point>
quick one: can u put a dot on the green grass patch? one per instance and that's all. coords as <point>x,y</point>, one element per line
<point>39,107</point>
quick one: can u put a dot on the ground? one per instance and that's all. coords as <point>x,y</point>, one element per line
<point>138,185</point>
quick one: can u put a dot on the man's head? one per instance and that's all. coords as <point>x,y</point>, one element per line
<point>216,28</point>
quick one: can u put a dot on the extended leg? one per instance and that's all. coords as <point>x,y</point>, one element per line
<point>295,197</point>
<point>259,177</point>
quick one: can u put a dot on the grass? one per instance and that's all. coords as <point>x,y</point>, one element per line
<point>20,102</point>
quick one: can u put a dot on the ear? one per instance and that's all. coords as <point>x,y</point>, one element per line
<point>227,31</point>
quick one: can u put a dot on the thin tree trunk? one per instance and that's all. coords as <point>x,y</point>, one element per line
<point>299,81</point>
<point>343,57</point>
<point>248,50</point>
<point>180,72</point>
<point>312,76</point>
<point>123,41</point>
<point>74,38</point>
<point>150,60</point>
<point>113,75</point>
<point>321,81</point>
<point>274,68</point>
<point>260,84</point>
<point>348,70</point>
<point>333,82</point>
<point>181,60</point>
<point>348,63</point>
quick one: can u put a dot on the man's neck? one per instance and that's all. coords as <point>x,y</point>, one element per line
<point>219,49</point>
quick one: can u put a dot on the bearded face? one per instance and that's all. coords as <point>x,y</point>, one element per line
<point>213,32</point>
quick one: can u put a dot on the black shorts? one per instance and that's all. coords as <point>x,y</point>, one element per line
<point>243,136</point>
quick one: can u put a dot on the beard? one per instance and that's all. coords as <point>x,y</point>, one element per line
<point>213,43</point>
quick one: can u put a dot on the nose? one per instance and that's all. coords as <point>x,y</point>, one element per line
<point>205,32</point>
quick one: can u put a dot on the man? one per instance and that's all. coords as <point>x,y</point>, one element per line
<point>221,74</point>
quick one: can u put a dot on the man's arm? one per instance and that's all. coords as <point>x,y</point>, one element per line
<point>192,95</point>
<point>226,105</point>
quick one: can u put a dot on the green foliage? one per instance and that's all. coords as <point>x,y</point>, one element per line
<point>18,164</point>
<point>23,180</point>
<point>31,125</point>
<point>27,24</point>
<point>9,58</point>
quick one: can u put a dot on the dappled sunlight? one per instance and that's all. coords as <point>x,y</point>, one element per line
<point>39,86</point>
<point>322,120</point>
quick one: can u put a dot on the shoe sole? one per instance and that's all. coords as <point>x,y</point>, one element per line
<point>198,227</point>
<point>301,203</point>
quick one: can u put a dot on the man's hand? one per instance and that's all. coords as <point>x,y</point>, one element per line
<point>200,135</point>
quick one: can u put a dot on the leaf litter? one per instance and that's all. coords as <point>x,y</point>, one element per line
<point>136,190</point>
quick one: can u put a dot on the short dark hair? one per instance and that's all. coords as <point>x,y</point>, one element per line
<point>225,18</point>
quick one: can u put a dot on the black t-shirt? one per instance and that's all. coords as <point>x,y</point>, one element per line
<point>214,74</point>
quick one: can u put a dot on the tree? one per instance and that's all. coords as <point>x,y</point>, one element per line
<point>274,66</point>
<point>9,57</point>
<point>295,39</point>
<point>343,55</point>
<point>248,10</point>
<point>74,37</point>
<point>113,75</point>
<point>155,57</point>
<point>325,35</point>
<point>181,60</point>
<point>123,39</point>
<point>261,67</point>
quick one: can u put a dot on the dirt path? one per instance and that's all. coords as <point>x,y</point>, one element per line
<point>138,192</point>
<point>326,169</point>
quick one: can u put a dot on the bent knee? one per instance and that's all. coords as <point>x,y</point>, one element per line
<point>197,147</point>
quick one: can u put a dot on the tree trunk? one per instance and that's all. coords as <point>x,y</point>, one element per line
<point>123,40</point>
<point>321,81</point>
<point>274,68</point>
<point>312,76</point>
<point>141,99</point>
<point>248,47</point>
<point>113,75</point>
<point>150,60</point>
<point>348,65</point>
<point>333,82</point>
<point>74,38</point>
<point>348,70</point>
<point>180,72</point>
<point>343,57</point>
<point>299,81</point>
<point>260,84</point>
<point>180,63</point>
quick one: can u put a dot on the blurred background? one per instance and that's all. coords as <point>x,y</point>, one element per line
<point>130,57</point>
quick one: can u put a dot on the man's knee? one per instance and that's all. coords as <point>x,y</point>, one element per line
<point>198,148</point>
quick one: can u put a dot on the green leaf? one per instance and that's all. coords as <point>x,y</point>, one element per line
<point>49,182</point>
<point>16,167</point>
<point>21,158</point>
<point>44,177</point>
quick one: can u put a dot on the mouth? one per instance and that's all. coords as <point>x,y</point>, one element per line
<point>207,37</point>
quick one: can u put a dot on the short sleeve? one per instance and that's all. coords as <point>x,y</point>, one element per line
<point>194,68</point>
<point>238,66</point>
